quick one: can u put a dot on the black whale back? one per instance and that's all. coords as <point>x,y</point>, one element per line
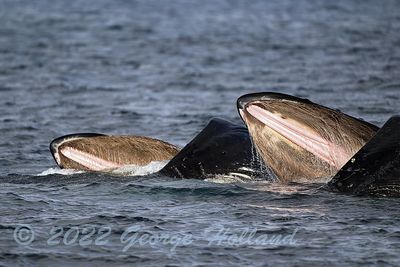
<point>375,168</point>
<point>220,148</point>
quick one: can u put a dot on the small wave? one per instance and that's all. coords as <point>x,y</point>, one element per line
<point>135,170</point>
<point>59,171</point>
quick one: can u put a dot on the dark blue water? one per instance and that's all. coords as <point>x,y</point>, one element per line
<point>163,69</point>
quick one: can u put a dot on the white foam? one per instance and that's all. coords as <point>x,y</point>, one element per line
<point>229,178</point>
<point>127,170</point>
<point>135,170</point>
<point>59,171</point>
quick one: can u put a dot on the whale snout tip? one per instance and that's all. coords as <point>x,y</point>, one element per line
<point>242,101</point>
<point>267,96</point>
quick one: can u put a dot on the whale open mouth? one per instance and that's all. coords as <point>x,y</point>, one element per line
<point>299,135</point>
<point>329,135</point>
<point>87,160</point>
<point>98,152</point>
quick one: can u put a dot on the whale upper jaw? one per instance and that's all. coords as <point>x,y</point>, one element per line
<point>245,99</point>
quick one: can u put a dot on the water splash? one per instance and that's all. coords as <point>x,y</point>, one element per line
<point>59,171</point>
<point>135,170</point>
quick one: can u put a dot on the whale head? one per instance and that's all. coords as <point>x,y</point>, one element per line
<point>300,140</point>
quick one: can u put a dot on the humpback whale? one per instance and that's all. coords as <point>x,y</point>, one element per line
<point>300,140</point>
<point>296,139</point>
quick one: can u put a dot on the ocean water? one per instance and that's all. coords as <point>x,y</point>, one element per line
<point>164,69</point>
